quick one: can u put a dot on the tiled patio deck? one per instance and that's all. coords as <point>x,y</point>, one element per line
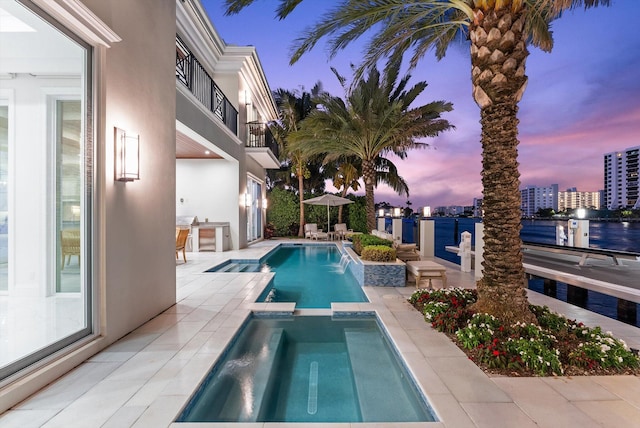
<point>144,379</point>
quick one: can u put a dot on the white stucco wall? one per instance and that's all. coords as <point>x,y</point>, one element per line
<point>209,189</point>
<point>138,248</point>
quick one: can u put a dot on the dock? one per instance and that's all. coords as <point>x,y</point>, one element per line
<point>582,270</point>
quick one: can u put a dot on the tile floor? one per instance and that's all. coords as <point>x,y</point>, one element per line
<point>30,319</point>
<point>144,379</point>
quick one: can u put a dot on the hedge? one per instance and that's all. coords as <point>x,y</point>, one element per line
<point>378,253</point>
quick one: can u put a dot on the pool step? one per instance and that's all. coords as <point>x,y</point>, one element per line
<point>375,376</point>
<point>240,267</point>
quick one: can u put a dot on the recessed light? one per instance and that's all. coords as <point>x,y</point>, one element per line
<point>207,152</point>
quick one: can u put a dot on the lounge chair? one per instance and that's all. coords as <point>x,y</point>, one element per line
<point>70,245</point>
<point>341,230</point>
<point>181,242</point>
<point>311,231</point>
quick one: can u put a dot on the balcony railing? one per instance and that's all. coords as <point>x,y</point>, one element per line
<point>190,72</point>
<point>261,136</point>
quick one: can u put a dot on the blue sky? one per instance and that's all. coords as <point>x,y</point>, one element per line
<point>582,100</point>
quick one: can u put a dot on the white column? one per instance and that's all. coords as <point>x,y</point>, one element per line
<point>427,238</point>
<point>582,234</point>
<point>396,229</point>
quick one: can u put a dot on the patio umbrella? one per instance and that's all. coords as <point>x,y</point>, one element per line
<point>330,201</point>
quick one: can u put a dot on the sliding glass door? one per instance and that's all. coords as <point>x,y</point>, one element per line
<point>45,187</point>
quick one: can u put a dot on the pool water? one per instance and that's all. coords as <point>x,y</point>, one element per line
<point>313,276</point>
<point>308,369</point>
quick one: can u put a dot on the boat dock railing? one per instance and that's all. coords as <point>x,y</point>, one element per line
<point>569,265</point>
<point>584,253</point>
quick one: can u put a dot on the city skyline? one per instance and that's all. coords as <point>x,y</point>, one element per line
<point>582,99</point>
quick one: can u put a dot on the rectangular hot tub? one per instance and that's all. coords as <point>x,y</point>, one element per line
<point>309,369</point>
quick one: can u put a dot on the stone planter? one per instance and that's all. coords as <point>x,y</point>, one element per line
<point>377,274</point>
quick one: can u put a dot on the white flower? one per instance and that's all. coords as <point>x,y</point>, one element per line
<point>619,359</point>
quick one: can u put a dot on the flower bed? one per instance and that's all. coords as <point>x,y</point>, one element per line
<point>557,346</point>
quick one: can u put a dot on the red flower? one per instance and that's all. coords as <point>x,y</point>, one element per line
<point>496,353</point>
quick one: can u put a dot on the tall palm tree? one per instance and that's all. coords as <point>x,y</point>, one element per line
<point>375,119</point>
<point>293,107</point>
<point>499,31</point>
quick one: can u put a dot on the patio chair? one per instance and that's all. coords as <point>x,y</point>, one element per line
<point>310,229</point>
<point>341,230</point>
<point>70,245</point>
<point>181,242</point>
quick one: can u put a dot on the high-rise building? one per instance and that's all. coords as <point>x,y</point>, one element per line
<point>572,199</point>
<point>535,198</point>
<point>621,179</point>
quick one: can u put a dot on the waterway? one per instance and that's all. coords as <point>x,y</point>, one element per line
<point>622,236</point>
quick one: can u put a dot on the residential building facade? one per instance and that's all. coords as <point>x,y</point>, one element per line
<point>534,198</point>
<point>87,255</point>
<point>572,199</point>
<point>621,179</point>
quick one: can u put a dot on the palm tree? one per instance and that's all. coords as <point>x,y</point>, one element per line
<point>293,107</point>
<point>347,173</point>
<point>374,120</point>
<point>499,31</point>
<point>344,174</point>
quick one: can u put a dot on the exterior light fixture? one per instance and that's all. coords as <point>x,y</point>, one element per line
<point>380,212</point>
<point>397,212</point>
<point>426,212</point>
<point>265,203</point>
<point>581,213</point>
<point>247,199</point>
<point>127,156</point>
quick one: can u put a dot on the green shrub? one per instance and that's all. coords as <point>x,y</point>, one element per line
<point>283,212</point>
<point>365,240</point>
<point>378,253</point>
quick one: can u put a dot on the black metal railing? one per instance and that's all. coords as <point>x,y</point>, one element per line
<point>260,136</point>
<point>190,73</point>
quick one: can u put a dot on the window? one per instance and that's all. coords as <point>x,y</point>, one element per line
<point>45,190</point>
<point>254,210</point>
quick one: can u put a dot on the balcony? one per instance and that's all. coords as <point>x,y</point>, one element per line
<point>261,145</point>
<point>190,73</point>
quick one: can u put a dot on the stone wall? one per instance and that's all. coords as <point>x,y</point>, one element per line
<point>376,274</point>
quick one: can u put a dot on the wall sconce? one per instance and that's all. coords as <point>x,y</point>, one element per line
<point>397,212</point>
<point>426,212</point>
<point>380,212</point>
<point>247,200</point>
<point>127,156</point>
<point>265,203</point>
<point>247,98</point>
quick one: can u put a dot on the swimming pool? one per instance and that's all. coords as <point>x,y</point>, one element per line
<point>309,369</point>
<point>313,276</point>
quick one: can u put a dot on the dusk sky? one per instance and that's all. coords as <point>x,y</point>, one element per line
<point>582,100</point>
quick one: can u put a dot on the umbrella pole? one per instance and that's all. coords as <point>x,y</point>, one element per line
<point>328,226</point>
